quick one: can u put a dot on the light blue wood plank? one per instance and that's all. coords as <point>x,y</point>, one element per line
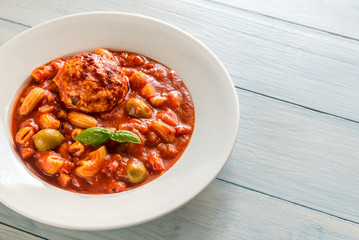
<point>303,163</point>
<point>286,151</point>
<point>300,155</point>
<point>9,233</point>
<point>265,55</point>
<point>222,211</point>
<point>9,30</point>
<point>339,17</point>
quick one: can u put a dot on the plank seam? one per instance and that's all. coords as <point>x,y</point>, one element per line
<point>289,201</point>
<point>266,39</point>
<point>286,21</point>
<point>19,229</point>
<point>247,90</point>
<point>298,105</point>
<point>10,21</point>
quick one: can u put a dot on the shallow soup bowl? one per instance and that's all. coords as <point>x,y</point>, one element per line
<point>215,131</point>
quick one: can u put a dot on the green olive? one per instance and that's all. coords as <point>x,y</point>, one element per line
<point>138,108</point>
<point>136,171</point>
<point>47,139</point>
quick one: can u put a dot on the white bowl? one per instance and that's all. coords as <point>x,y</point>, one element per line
<point>216,127</point>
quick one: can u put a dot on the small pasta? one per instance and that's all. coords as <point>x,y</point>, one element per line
<point>46,109</point>
<point>82,120</point>
<point>138,80</point>
<point>107,53</point>
<point>156,162</point>
<point>61,114</point>
<point>174,99</point>
<point>148,91</point>
<point>27,152</point>
<point>165,131</point>
<point>64,179</point>
<point>77,149</point>
<point>24,135</point>
<point>31,100</point>
<point>48,120</point>
<point>157,100</point>
<point>168,117</point>
<point>101,122</point>
<point>64,150</point>
<point>50,162</point>
<point>47,71</point>
<point>92,163</point>
<point>75,132</point>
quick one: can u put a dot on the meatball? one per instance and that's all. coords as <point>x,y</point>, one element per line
<point>91,83</point>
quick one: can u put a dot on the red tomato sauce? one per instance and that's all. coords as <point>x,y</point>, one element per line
<point>157,107</point>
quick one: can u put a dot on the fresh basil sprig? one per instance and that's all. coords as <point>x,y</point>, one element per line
<point>97,135</point>
<point>125,136</point>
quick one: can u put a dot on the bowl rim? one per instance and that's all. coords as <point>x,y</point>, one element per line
<point>227,78</point>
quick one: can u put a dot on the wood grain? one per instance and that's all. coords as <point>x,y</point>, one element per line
<point>299,155</point>
<point>286,61</point>
<point>339,17</point>
<point>222,211</point>
<point>10,233</point>
<point>284,150</point>
<point>288,152</point>
<point>283,171</point>
<point>9,30</point>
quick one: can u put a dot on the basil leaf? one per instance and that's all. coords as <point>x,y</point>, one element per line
<point>94,136</point>
<point>125,136</point>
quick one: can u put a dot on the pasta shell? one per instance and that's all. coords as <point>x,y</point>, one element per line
<point>24,135</point>
<point>82,120</point>
<point>105,52</point>
<point>157,100</point>
<point>165,131</point>
<point>64,179</point>
<point>48,120</point>
<point>148,91</point>
<point>50,162</point>
<point>92,163</point>
<point>31,100</point>
<point>77,149</point>
<point>27,152</point>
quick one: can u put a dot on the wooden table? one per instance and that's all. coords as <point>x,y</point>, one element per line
<point>294,172</point>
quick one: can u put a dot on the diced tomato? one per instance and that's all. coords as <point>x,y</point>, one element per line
<point>152,139</point>
<point>128,71</point>
<point>116,187</point>
<point>30,123</point>
<point>167,151</point>
<point>67,167</point>
<point>157,100</point>
<point>27,152</point>
<point>139,125</point>
<point>49,71</point>
<point>47,109</point>
<point>173,99</point>
<point>148,91</point>
<point>111,167</point>
<point>138,80</point>
<point>64,179</point>
<point>133,60</point>
<point>182,130</point>
<point>64,150</point>
<point>168,117</point>
<point>165,131</point>
<point>156,162</point>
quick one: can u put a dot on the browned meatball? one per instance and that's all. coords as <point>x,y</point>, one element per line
<point>91,83</point>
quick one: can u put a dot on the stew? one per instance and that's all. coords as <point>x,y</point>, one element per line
<point>102,122</point>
